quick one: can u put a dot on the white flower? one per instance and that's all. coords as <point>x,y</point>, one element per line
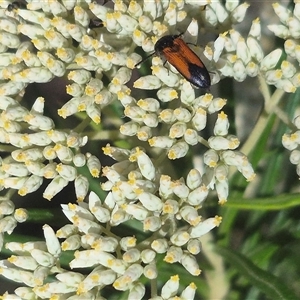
<point>170,288</point>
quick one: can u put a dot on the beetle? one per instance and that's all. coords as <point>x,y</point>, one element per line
<point>15,5</point>
<point>175,51</point>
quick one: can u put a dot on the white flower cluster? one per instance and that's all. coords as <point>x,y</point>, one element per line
<point>290,32</point>
<point>288,76</point>
<point>27,173</point>
<point>41,152</point>
<point>183,127</point>
<point>36,260</point>
<point>291,142</point>
<point>167,209</point>
<point>238,57</point>
<point>121,262</point>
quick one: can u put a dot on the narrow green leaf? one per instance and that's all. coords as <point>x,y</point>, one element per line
<point>267,283</point>
<point>280,202</point>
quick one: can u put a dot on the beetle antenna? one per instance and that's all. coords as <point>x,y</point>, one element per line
<point>139,63</point>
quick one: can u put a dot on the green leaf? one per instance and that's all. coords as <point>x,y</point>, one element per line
<point>267,283</point>
<point>280,202</point>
